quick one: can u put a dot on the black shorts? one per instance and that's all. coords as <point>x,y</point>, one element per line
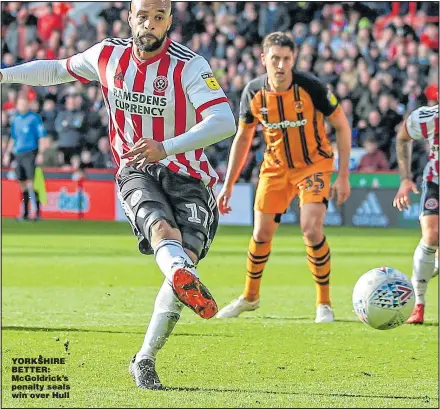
<point>188,204</point>
<point>429,199</point>
<point>25,169</point>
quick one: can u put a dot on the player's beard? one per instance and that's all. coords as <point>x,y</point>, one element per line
<point>148,47</point>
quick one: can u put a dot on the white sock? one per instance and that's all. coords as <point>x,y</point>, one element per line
<point>166,313</point>
<point>169,253</point>
<point>32,200</point>
<point>423,267</point>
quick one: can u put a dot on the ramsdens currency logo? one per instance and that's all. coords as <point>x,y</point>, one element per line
<point>139,102</point>
<point>284,124</point>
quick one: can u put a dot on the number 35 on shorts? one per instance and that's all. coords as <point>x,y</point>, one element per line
<point>314,182</point>
<point>315,188</point>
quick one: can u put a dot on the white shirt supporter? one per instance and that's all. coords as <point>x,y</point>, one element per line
<point>159,98</point>
<point>423,123</point>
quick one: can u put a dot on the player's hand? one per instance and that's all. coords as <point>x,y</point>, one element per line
<point>39,159</point>
<point>145,151</point>
<point>6,160</point>
<point>402,200</point>
<point>341,189</point>
<point>223,200</point>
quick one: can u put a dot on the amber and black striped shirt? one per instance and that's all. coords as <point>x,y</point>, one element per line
<point>293,120</point>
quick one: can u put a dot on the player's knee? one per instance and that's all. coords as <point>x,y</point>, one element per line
<point>155,224</point>
<point>430,236</point>
<point>193,242</point>
<point>312,234</point>
<point>161,229</point>
<point>263,235</point>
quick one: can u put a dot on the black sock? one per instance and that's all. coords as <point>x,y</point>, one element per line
<point>37,202</point>
<point>26,203</point>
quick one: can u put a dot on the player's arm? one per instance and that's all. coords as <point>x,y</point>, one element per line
<point>82,67</point>
<point>239,151</point>
<point>326,102</point>
<point>339,122</point>
<point>237,158</point>
<point>218,123</point>
<point>210,102</point>
<point>37,73</point>
<point>341,187</point>
<point>404,154</point>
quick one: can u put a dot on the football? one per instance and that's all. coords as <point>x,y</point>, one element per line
<point>383,298</point>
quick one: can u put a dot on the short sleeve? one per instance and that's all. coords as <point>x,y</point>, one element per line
<point>202,88</point>
<point>246,114</point>
<point>412,126</point>
<point>84,66</point>
<point>323,98</point>
<point>421,123</point>
<point>41,131</point>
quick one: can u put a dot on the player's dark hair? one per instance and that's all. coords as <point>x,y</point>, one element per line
<point>278,38</point>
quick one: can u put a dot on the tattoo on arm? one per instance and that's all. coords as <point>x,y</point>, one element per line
<point>404,151</point>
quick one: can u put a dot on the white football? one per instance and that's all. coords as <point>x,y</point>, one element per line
<point>383,298</point>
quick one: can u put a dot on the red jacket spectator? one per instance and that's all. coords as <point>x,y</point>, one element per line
<point>374,160</point>
<point>49,22</point>
<point>430,37</point>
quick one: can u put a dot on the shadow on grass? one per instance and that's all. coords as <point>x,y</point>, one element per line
<point>38,329</point>
<point>426,399</point>
<point>96,228</point>
<point>304,318</point>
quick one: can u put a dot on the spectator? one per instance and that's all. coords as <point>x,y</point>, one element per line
<point>329,75</point>
<point>69,125</point>
<point>8,60</point>
<point>378,68</point>
<point>429,37</point>
<point>9,105</point>
<point>431,93</point>
<point>49,22</point>
<point>86,30</point>
<point>86,159</point>
<point>273,16</point>
<point>347,106</point>
<point>342,90</point>
<point>103,158</point>
<point>48,115</point>
<point>389,117</point>
<point>374,159</point>
<point>112,13</point>
<point>247,24</point>
<point>349,74</point>
<point>18,34</point>
<point>368,100</point>
<point>182,20</point>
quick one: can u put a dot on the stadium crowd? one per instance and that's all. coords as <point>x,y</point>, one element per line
<point>381,60</point>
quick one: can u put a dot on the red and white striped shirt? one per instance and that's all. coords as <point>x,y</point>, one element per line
<point>423,123</point>
<point>159,98</point>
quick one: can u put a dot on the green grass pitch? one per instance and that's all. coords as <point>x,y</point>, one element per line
<point>86,283</point>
